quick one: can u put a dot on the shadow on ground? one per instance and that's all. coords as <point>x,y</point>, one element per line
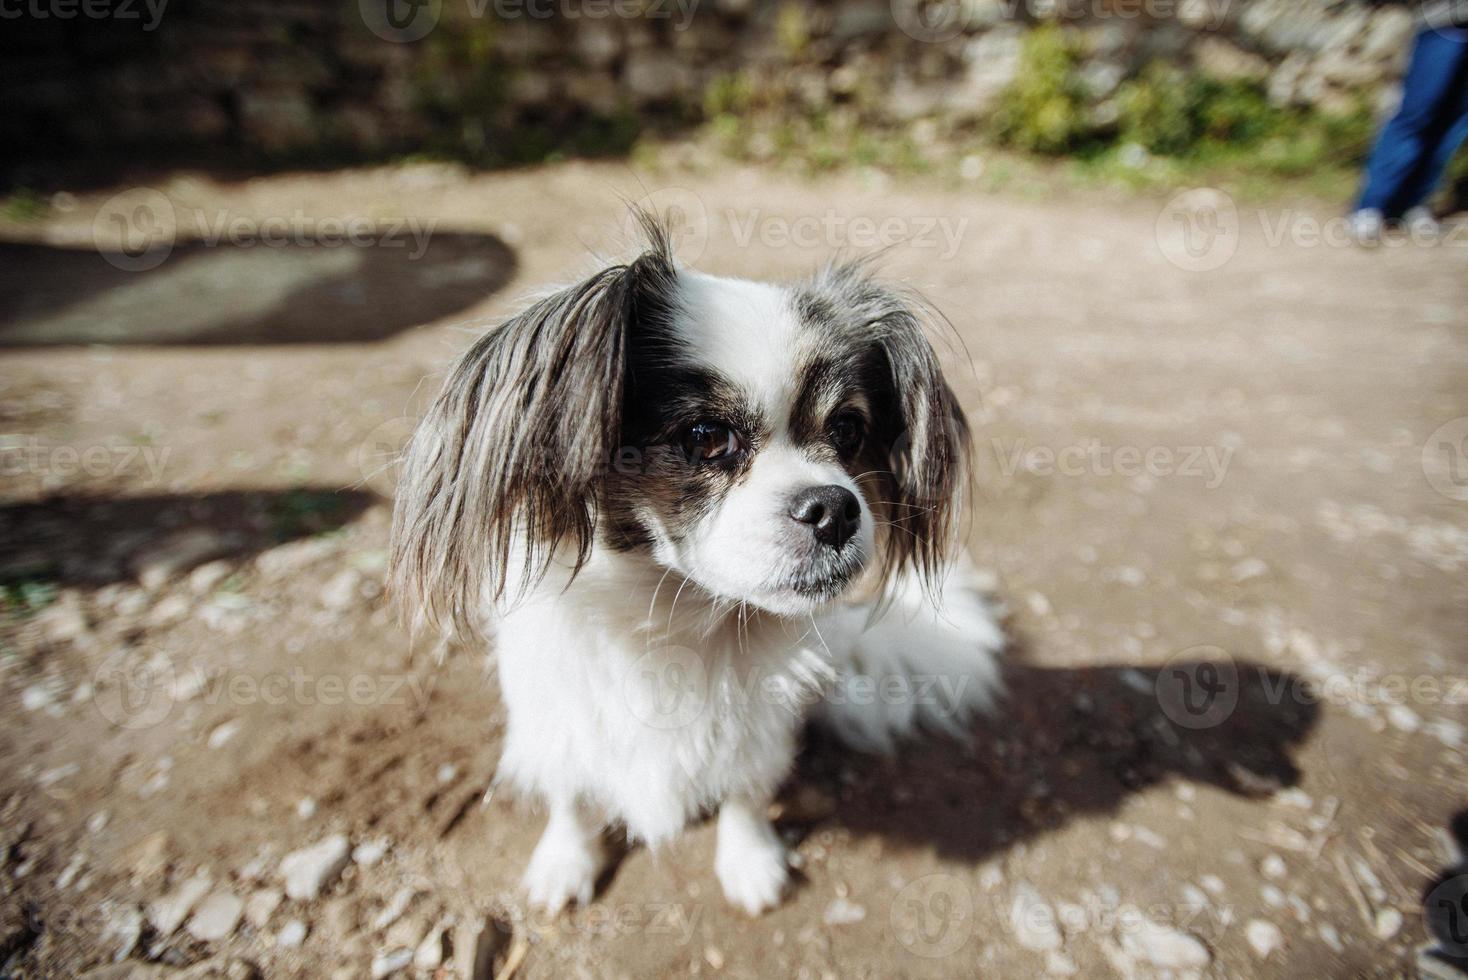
<point>93,541</point>
<point>301,292</point>
<point>1068,743</point>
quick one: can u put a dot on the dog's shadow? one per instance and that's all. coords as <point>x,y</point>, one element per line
<point>1066,742</point>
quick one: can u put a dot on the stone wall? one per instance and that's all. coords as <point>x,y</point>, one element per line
<point>513,79</point>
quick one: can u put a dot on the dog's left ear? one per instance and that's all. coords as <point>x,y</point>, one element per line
<point>506,470</point>
<point>919,457</point>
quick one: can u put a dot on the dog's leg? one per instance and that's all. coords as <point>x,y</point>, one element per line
<point>749,859</point>
<point>565,863</point>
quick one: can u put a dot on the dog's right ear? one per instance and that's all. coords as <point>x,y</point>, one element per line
<point>506,470</point>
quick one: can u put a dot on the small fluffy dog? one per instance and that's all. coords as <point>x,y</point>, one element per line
<point>694,512</point>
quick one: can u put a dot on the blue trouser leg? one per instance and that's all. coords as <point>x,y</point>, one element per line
<point>1432,100</point>
<point>1445,138</point>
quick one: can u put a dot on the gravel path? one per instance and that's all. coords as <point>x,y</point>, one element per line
<point>1226,465</point>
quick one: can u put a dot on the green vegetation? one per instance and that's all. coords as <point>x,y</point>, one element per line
<point>25,205</point>
<point>1045,110</point>
<point>24,596</point>
<point>1163,127</point>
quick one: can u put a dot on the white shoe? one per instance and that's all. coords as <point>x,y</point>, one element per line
<point>1367,226</point>
<point>1421,224</point>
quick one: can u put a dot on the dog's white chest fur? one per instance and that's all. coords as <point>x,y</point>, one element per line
<point>646,711</point>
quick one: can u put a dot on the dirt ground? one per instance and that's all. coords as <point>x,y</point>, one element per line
<point>1227,468</point>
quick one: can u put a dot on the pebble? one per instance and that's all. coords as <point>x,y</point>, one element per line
<point>166,914</point>
<point>1403,718</point>
<point>261,905</point>
<point>169,611</point>
<point>1033,920</point>
<point>1388,924</point>
<point>216,917</point>
<point>1165,947</point>
<point>1057,964</point>
<point>369,852</point>
<point>123,929</point>
<point>1264,937</point>
<point>1212,884</point>
<point>387,963</point>
<point>183,549</point>
<point>203,579</point>
<point>38,696</point>
<point>222,733</point>
<point>394,908</point>
<point>343,591</point>
<point>291,935</point>
<point>714,957</point>
<point>429,955</point>
<point>311,869</point>
<point>1273,866</point>
<point>306,808</point>
<point>844,912</point>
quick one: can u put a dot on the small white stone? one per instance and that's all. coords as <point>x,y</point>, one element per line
<point>291,935</point>
<point>1273,866</point>
<point>1403,718</point>
<point>429,954</point>
<point>1057,964</point>
<point>387,963</point>
<point>1163,946</point>
<point>343,591</point>
<point>166,914</point>
<point>369,852</point>
<point>311,869</point>
<point>222,733</point>
<point>844,912</point>
<point>216,917</point>
<point>306,808</point>
<point>394,908</point>
<point>1264,937</point>
<point>1388,924</point>
<point>38,696</point>
<point>1212,884</point>
<point>261,905</point>
<point>1033,920</point>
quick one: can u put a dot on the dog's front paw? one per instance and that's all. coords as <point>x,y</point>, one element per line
<point>753,874</point>
<point>562,870</point>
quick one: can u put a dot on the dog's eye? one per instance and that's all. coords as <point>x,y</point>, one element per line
<point>706,441</point>
<point>847,431</point>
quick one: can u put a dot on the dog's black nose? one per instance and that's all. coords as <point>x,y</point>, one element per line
<point>833,513</point>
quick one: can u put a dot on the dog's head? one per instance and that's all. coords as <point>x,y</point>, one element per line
<point>771,443</point>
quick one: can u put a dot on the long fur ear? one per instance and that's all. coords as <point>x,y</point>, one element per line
<point>506,469</point>
<point>919,458</point>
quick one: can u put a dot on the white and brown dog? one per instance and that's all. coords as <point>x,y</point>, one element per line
<point>694,512</point>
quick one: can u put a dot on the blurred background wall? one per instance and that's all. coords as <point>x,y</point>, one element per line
<point>496,82</point>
